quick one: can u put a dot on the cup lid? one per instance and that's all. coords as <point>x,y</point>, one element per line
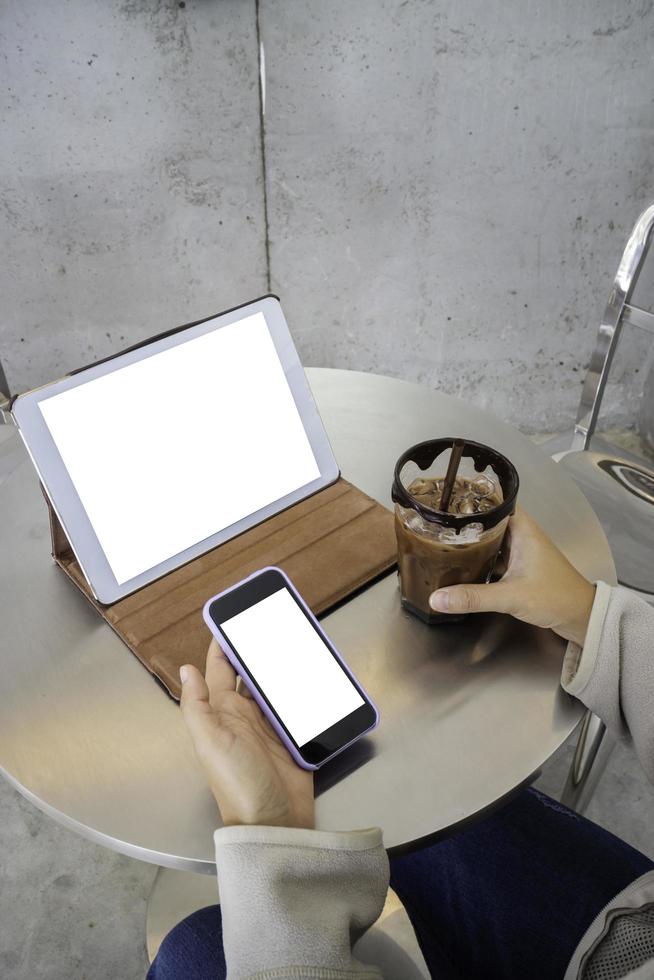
<point>423,455</point>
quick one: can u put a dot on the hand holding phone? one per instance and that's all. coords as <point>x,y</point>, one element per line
<point>252,776</point>
<point>295,674</point>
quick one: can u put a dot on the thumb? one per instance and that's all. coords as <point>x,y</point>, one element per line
<point>471,598</point>
<point>194,701</point>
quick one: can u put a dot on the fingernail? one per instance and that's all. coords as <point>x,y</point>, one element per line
<point>440,601</point>
<point>183,674</point>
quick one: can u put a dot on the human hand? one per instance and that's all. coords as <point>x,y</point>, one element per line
<point>540,586</point>
<point>251,774</point>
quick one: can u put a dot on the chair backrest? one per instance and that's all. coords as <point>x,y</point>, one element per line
<point>618,312</point>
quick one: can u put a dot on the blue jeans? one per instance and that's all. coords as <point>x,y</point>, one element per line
<point>508,897</point>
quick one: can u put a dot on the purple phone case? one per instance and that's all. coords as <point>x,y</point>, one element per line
<point>242,671</point>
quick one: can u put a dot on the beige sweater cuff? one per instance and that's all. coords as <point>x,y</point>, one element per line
<point>579,663</point>
<point>294,901</point>
<point>337,840</point>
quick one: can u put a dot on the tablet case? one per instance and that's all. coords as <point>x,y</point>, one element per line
<point>329,545</point>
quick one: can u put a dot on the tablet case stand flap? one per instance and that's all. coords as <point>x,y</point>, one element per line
<point>329,544</point>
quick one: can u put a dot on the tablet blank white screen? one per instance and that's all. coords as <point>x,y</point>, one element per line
<point>165,452</point>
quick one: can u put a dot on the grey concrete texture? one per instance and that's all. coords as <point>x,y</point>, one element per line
<point>450,191</point>
<point>449,185</point>
<point>69,909</point>
<point>646,411</point>
<point>130,179</point>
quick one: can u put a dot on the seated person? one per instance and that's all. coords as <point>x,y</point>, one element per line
<point>534,891</point>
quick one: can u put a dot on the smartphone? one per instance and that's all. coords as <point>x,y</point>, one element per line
<point>296,675</point>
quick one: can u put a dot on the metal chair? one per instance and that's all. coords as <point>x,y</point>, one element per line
<point>619,486</point>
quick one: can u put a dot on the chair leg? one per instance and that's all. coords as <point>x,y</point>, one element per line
<point>594,746</point>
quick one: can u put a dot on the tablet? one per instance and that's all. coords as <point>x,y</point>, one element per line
<point>159,454</point>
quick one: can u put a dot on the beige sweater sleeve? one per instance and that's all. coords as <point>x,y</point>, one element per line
<point>295,901</point>
<point>614,673</point>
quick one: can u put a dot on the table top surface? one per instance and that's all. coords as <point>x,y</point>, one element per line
<point>468,711</point>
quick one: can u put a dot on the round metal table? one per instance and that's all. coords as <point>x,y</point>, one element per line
<point>468,711</point>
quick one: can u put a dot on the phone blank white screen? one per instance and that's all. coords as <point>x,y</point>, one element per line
<point>304,683</point>
<point>165,452</point>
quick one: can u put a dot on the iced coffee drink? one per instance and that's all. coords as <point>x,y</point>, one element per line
<point>460,544</point>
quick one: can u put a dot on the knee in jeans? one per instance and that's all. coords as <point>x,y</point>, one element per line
<point>193,950</point>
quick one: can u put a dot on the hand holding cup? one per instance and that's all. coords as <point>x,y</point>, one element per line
<point>540,586</point>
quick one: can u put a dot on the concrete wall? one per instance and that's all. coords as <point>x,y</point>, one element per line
<point>449,185</point>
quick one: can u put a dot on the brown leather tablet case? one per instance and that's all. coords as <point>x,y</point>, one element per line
<point>330,545</point>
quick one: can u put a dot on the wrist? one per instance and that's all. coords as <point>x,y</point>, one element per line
<point>302,818</point>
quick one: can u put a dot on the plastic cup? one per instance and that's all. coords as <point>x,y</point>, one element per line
<point>439,548</point>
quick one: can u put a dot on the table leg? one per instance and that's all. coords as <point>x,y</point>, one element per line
<point>390,944</point>
<point>594,746</point>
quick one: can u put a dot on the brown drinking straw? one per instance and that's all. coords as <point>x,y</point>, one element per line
<point>457,452</point>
